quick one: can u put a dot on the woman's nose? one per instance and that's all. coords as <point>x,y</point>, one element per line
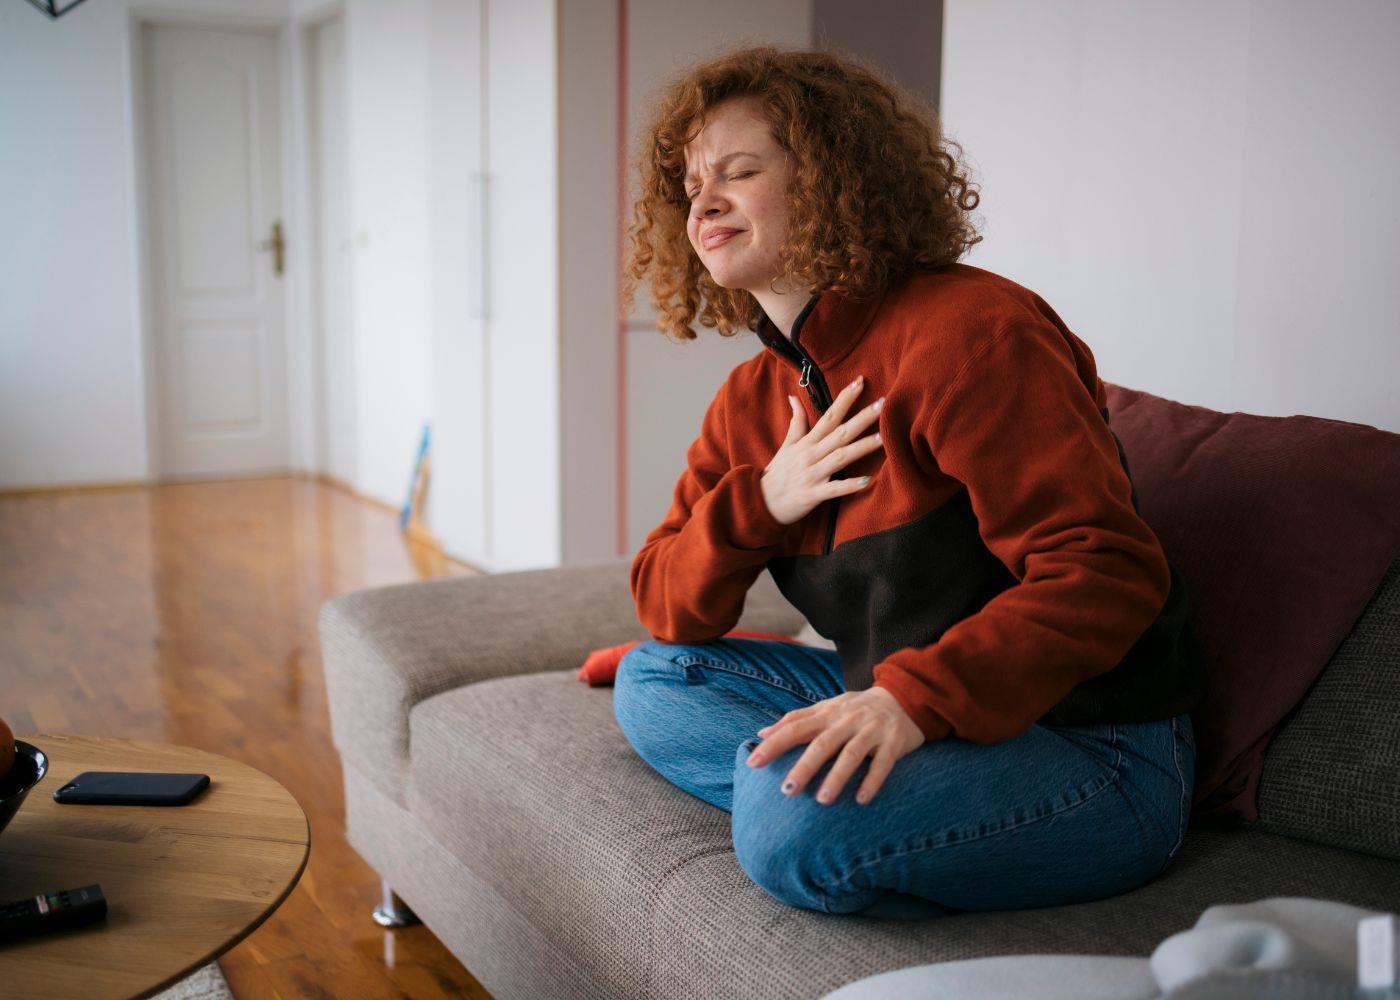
<point>708,203</point>
<point>709,212</point>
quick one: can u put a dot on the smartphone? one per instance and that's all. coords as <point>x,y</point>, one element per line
<point>131,788</point>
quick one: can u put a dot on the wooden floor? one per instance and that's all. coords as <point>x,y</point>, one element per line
<point>187,613</point>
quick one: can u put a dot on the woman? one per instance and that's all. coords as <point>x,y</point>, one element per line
<point>1004,721</point>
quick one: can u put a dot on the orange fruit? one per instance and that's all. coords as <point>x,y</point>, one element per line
<point>7,749</point>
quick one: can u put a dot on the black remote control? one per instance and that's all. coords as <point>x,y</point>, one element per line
<point>51,911</point>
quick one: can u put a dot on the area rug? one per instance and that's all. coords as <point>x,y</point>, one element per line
<point>205,983</point>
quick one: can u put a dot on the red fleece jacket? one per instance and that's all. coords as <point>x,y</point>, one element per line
<point>996,571</point>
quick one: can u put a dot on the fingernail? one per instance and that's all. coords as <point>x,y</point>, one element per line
<point>879,404</point>
<point>864,480</point>
<point>824,797</point>
<point>862,798</point>
<point>878,438</point>
<point>753,758</point>
<point>788,786</point>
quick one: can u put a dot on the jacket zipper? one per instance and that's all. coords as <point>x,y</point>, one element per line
<point>820,395</point>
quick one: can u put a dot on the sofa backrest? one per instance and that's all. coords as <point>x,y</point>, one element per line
<point>1332,772</point>
<point>1282,529</point>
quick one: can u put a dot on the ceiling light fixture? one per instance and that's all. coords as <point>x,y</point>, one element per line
<point>53,8</point>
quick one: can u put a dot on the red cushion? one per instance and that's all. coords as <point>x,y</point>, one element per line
<point>1282,528</point>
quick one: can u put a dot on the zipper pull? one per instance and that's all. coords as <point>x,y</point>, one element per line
<point>806,378</point>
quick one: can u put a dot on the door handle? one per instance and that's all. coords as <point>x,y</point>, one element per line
<point>277,245</point>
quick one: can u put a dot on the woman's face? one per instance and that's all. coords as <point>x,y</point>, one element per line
<point>737,182</point>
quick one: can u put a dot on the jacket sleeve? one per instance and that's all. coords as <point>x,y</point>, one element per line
<point>1020,428</point>
<point>691,575</point>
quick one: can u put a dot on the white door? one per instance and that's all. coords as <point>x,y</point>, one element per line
<point>214,194</point>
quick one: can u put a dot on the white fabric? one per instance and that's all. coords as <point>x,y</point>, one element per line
<point>1269,949</point>
<point>1310,943</point>
<point>1011,977</point>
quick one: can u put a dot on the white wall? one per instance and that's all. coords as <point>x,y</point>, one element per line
<point>70,387</point>
<point>521,373</point>
<point>1204,191</point>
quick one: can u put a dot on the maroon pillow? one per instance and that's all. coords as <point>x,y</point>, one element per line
<point>1281,528</point>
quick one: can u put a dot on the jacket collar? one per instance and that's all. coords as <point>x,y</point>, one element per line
<point>828,327</point>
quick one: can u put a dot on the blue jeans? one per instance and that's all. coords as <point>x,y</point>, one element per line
<point>1056,815</point>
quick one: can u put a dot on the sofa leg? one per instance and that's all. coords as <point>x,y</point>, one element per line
<point>393,911</point>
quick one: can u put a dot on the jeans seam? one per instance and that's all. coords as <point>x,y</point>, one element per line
<point>926,844</point>
<point>1183,806</point>
<point>691,659</point>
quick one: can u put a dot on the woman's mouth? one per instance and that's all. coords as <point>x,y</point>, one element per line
<point>716,237</point>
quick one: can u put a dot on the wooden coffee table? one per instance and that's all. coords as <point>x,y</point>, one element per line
<point>183,883</point>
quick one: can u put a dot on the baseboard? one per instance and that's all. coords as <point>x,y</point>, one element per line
<point>99,487</point>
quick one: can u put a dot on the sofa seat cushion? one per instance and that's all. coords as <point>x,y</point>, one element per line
<point>531,784</point>
<point>714,928</point>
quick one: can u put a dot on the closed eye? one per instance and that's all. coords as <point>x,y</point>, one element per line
<point>735,177</point>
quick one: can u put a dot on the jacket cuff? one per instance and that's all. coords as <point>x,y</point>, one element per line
<point>907,692</point>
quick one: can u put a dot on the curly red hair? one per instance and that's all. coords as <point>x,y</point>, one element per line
<point>876,193</point>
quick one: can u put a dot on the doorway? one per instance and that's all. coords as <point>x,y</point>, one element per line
<point>216,251</point>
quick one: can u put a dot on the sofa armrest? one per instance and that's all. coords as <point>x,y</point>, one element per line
<point>388,648</point>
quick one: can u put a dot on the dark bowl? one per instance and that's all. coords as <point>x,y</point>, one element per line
<point>30,767</point>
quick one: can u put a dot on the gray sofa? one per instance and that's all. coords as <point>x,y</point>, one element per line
<point>497,796</point>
